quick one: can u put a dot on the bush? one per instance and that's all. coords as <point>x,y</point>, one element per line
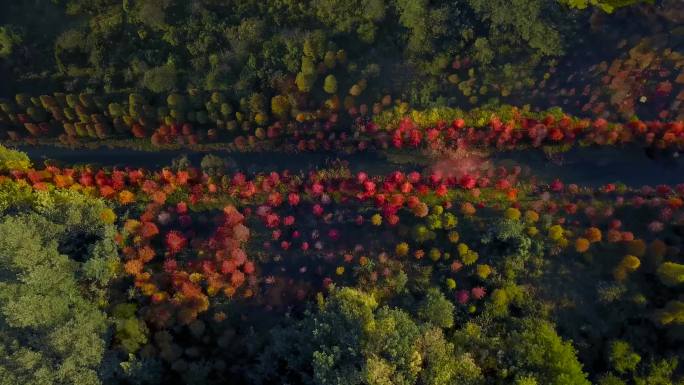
<point>671,274</point>
<point>622,358</point>
<point>13,160</point>
<point>160,79</point>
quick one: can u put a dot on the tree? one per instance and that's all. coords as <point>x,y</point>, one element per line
<point>146,371</point>
<point>308,66</point>
<point>446,366</point>
<point>351,340</point>
<point>305,81</point>
<point>671,314</point>
<point>351,16</point>
<point>519,19</point>
<point>8,40</point>
<point>425,25</point>
<point>315,44</point>
<point>58,256</point>
<point>607,6</point>
<point>610,379</point>
<point>131,332</point>
<point>436,309</point>
<point>528,347</point>
<point>659,373</point>
<point>214,165</point>
<point>330,59</point>
<point>73,55</point>
<point>330,84</point>
<point>160,79</point>
<point>152,13</point>
<point>538,350</point>
<point>622,358</point>
<point>13,160</point>
<point>52,332</point>
<point>671,274</point>
<point>483,52</point>
<point>280,106</point>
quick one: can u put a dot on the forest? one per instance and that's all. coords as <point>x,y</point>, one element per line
<point>328,192</point>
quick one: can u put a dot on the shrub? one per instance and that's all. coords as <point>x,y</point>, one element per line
<point>512,213</point>
<point>671,274</point>
<point>622,358</point>
<point>330,84</point>
<point>13,160</point>
<point>541,351</point>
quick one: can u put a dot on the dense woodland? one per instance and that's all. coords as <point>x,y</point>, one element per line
<point>448,269</point>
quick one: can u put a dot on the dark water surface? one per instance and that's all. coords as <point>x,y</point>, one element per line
<point>251,162</point>
<point>591,166</point>
<point>596,166</point>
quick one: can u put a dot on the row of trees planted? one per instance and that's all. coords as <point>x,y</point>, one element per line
<point>439,128</point>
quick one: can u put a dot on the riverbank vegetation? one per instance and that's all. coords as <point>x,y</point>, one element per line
<point>419,278</point>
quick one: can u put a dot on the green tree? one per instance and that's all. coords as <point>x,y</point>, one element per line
<point>671,314</point>
<point>351,16</point>
<point>351,340</point>
<point>145,371</point>
<point>671,274</point>
<point>213,165</point>
<point>605,5</point>
<point>57,258</point>
<point>131,332</point>
<point>13,160</point>
<point>425,24</point>
<point>436,309</point>
<point>660,373</point>
<point>315,44</point>
<point>152,13</point>
<point>160,79</point>
<point>446,366</point>
<point>540,352</point>
<point>622,358</point>
<point>519,19</point>
<point>308,66</point>
<point>51,332</point>
<point>330,84</point>
<point>305,81</point>
<point>280,106</point>
<point>8,40</point>
<point>610,379</point>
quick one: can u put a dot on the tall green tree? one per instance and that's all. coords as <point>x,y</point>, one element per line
<point>57,258</point>
<point>51,331</point>
<point>352,340</point>
<point>357,16</point>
